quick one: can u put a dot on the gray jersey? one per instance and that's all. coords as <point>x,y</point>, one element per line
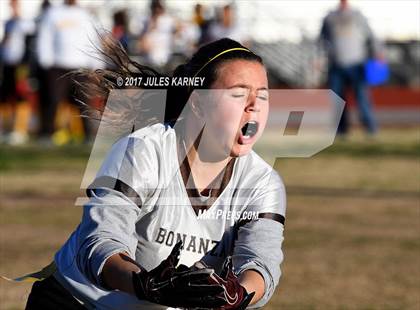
<point>139,204</point>
<point>348,37</point>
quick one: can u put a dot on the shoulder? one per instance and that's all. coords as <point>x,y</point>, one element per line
<point>9,24</point>
<point>330,15</point>
<point>260,185</point>
<point>258,167</point>
<point>151,131</point>
<point>153,144</point>
<point>256,174</point>
<point>136,159</point>
<point>358,14</point>
<point>151,140</point>
<point>155,134</point>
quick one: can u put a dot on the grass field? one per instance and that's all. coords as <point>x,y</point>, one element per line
<point>352,237</point>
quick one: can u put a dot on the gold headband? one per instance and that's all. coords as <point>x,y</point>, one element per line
<point>220,54</point>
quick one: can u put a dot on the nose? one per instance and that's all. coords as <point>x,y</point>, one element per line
<point>252,105</point>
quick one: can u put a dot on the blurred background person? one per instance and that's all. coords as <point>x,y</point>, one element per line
<point>226,25</point>
<point>66,41</point>
<point>349,41</point>
<point>185,42</point>
<point>14,105</point>
<point>201,19</point>
<point>156,38</point>
<point>41,75</point>
<point>120,29</point>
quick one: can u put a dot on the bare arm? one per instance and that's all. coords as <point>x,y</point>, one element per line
<point>252,281</point>
<point>116,273</point>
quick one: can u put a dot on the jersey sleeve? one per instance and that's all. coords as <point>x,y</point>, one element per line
<point>117,196</point>
<point>129,168</point>
<point>259,241</point>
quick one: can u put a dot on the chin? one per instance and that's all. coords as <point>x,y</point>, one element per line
<point>240,150</point>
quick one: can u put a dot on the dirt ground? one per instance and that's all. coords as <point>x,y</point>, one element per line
<point>352,238</point>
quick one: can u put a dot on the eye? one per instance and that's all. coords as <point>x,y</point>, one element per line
<point>238,92</point>
<point>263,96</point>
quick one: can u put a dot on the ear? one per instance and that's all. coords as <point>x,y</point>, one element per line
<point>195,105</point>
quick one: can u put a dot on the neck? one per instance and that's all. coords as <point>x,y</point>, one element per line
<point>199,162</point>
<point>204,164</point>
<point>343,6</point>
<point>204,172</point>
<point>199,141</point>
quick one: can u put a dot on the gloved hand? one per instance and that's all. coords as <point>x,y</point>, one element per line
<point>185,287</point>
<point>234,294</point>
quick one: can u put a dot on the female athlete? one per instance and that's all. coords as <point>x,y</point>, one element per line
<point>183,213</point>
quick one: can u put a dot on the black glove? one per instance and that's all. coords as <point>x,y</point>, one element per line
<point>234,294</point>
<point>185,287</point>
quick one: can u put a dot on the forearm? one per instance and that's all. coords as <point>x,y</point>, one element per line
<point>254,254</point>
<point>117,272</point>
<point>252,281</point>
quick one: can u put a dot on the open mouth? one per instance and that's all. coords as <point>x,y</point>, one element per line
<point>249,129</point>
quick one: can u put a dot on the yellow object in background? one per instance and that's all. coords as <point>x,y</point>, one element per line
<point>6,116</point>
<point>22,117</point>
<point>69,125</point>
<point>76,125</point>
<point>61,137</point>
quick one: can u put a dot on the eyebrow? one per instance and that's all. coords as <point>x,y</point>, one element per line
<point>246,86</point>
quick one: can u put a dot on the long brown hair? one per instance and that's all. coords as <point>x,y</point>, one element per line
<point>124,109</point>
